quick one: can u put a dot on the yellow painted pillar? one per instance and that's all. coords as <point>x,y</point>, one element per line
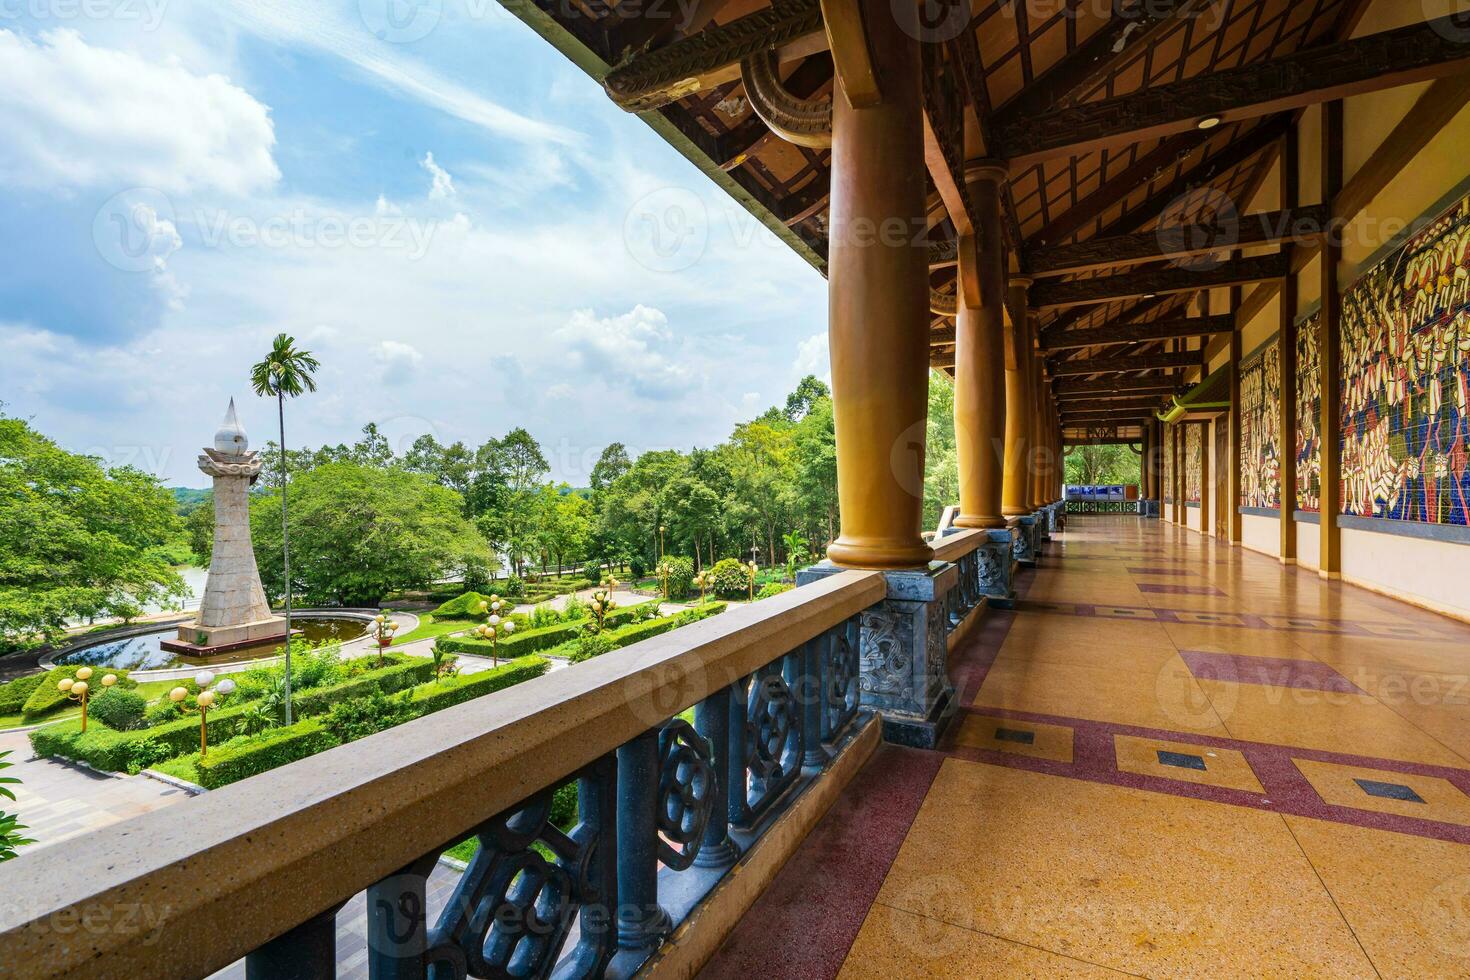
<point>1286,401</point>
<point>979,356</point>
<point>1016,488</point>
<point>878,286</point>
<point>1329,348</point>
<point>1038,433</point>
<point>1232,512</point>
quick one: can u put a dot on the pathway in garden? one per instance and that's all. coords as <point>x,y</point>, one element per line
<point>58,801</point>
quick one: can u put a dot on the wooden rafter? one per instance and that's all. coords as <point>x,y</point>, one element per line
<point>1178,241</point>
<point>1083,406</point>
<point>1416,53</point>
<point>1123,365</point>
<point>1134,333</point>
<point>1131,386</point>
<point>1157,282</point>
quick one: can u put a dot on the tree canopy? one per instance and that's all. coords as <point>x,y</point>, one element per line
<point>77,539</point>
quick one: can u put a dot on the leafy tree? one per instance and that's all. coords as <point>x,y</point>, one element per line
<point>613,463</point>
<point>941,458</point>
<point>763,467</point>
<point>1092,465</point>
<point>76,539</point>
<point>285,372</point>
<point>199,525</point>
<point>564,522</point>
<point>815,451</point>
<point>365,532</point>
<point>808,392</point>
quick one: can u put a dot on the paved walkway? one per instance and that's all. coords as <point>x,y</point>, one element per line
<point>1173,759</point>
<point>58,801</point>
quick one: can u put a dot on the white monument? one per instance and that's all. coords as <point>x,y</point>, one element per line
<point>234,612</point>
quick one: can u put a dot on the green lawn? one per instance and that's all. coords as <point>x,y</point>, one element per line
<point>428,629</point>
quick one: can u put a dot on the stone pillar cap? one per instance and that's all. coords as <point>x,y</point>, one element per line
<point>994,171</point>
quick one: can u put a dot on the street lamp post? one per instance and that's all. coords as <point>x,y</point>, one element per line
<point>382,630</point>
<point>752,569</point>
<point>663,564</point>
<point>703,581</point>
<point>205,700</point>
<point>77,689</point>
<point>602,603</point>
<point>494,626</point>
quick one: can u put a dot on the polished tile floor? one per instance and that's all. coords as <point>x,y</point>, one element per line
<point>1173,759</point>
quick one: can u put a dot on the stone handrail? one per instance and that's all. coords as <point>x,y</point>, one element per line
<point>248,869</point>
<point>953,547</point>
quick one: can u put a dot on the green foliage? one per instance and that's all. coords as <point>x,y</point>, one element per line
<point>199,528</point>
<point>533,641</point>
<point>1093,465</point>
<point>591,645</point>
<point>680,575</point>
<point>46,698</point>
<point>796,554</point>
<point>119,709</point>
<point>543,616</point>
<point>514,587</point>
<point>465,606</point>
<point>465,687</point>
<point>13,694</point>
<point>574,610</point>
<point>941,457</point>
<point>11,838</point>
<point>357,718</point>
<point>773,588</point>
<point>76,539</point>
<point>368,532</point>
<point>264,752</point>
<point>731,579</point>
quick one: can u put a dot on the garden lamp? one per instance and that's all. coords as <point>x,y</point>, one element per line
<point>77,689</point>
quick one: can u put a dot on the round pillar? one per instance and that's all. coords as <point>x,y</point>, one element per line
<point>979,377</point>
<point>1016,488</point>
<point>878,283</point>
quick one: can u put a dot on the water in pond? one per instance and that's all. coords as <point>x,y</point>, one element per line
<point>144,653</point>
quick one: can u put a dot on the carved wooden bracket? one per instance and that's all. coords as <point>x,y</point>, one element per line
<point>847,36</point>
<point>805,122</point>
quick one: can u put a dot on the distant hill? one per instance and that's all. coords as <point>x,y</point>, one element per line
<point>187,499</point>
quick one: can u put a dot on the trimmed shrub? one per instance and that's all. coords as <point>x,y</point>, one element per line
<point>574,610</point>
<point>465,606</point>
<point>731,578</point>
<point>773,588</point>
<point>591,645</point>
<point>45,698</point>
<point>592,571</point>
<point>534,641</point>
<point>543,616</point>
<point>514,587</point>
<point>680,572</point>
<point>411,672</point>
<point>263,752</point>
<point>466,687</point>
<point>356,718</point>
<point>595,644</point>
<point>13,694</point>
<point>119,710</point>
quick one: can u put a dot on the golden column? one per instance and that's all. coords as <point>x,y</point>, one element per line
<point>979,356</point>
<point>1016,493</point>
<point>878,284</point>
<point>1042,453</point>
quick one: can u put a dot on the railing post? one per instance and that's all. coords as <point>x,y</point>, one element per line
<point>642,923</point>
<point>397,922</point>
<point>712,722</point>
<point>307,952</point>
<point>811,695</point>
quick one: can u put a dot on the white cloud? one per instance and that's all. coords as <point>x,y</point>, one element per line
<point>637,349</point>
<point>813,357</point>
<point>398,360</point>
<point>75,115</point>
<point>443,184</point>
<point>317,25</point>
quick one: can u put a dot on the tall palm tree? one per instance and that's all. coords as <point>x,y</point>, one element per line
<point>285,372</point>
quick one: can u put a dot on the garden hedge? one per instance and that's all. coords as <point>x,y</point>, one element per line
<point>265,751</point>
<point>282,745</point>
<point>13,694</point>
<point>629,635</point>
<point>104,748</point>
<point>533,641</point>
<point>45,698</point>
<point>463,606</point>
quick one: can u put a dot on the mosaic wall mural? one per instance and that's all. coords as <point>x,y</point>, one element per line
<point>1308,415</point>
<point>1194,448</point>
<point>1168,464</point>
<point>1260,427</point>
<point>1406,379</point>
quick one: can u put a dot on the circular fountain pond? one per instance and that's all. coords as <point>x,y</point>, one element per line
<point>143,652</point>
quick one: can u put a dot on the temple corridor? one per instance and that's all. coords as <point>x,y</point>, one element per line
<point>1174,758</point>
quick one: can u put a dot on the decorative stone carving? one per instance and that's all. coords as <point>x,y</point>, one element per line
<point>1023,541</point>
<point>997,568</point>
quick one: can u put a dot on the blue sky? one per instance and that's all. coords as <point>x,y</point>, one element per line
<point>445,210</point>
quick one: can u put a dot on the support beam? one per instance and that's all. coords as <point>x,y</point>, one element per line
<point>1416,53</point>
<point>712,57</point>
<point>1142,406</point>
<point>878,302</point>
<point>1134,386</point>
<point>1176,242</point>
<point>1136,333</point>
<point>1329,348</point>
<point>1119,365</point>
<point>1286,405</point>
<point>1016,487</point>
<point>1157,282</point>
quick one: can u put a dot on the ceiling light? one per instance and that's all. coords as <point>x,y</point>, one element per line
<point>1209,122</point>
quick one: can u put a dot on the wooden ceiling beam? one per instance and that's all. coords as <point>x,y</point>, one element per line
<point>1416,53</point>
<point>1131,386</point>
<point>1157,282</point>
<point>1177,241</point>
<point>1123,365</point>
<point>1137,333</point>
<point>1084,406</point>
<point>652,79</point>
